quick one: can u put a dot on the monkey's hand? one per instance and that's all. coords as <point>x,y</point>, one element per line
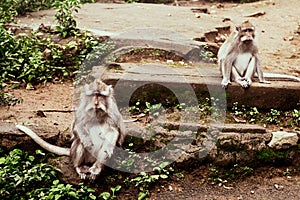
<point>244,83</point>
<point>225,83</point>
<point>109,150</point>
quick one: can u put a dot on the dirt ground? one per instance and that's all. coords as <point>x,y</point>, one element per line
<point>279,49</point>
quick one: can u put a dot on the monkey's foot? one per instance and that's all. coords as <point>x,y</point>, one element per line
<point>244,83</point>
<point>225,83</point>
<point>95,171</point>
<point>81,171</point>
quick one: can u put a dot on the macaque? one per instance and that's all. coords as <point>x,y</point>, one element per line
<point>238,58</point>
<point>97,128</point>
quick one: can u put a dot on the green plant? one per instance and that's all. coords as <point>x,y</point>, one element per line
<point>296,116</point>
<point>64,15</point>
<point>135,108</point>
<point>237,111</point>
<point>179,175</point>
<point>23,58</point>
<point>273,117</point>
<point>145,180</point>
<point>63,191</point>
<point>148,108</point>
<point>7,11</point>
<point>251,114</point>
<point>205,107</point>
<point>19,172</point>
<point>154,110</point>
<point>108,196</point>
<point>206,55</point>
<point>221,176</point>
<point>22,176</point>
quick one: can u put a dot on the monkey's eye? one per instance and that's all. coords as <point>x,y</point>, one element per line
<point>97,94</point>
<point>248,30</point>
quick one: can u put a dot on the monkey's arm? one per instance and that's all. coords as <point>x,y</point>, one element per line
<point>49,147</point>
<point>259,72</point>
<point>227,65</point>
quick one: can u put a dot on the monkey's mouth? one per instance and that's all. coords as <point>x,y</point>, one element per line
<point>246,39</point>
<point>99,110</point>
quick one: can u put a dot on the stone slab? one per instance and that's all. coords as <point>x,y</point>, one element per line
<point>205,80</point>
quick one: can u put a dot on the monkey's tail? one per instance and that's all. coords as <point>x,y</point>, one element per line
<point>49,147</point>
<point>281,77</point>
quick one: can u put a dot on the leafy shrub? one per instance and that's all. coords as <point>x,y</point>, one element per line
<point>33,57</point>
<point>23,58</point>
<point>64,14</point>
<point>11,8</point>
<point>21,177</point>
<point>7,11</point>
<point>19,173</point>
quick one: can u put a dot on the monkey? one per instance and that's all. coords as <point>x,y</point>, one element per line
<point>96,129</point>
<point>238,58</point>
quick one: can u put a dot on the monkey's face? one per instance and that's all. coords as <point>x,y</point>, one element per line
<point>247,34</point>
<point>98,96</point>
<point>100,102</point>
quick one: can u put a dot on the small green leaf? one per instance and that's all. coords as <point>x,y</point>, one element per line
<point>105,195</point>
<point>163,176</point>
<point>2,160</point>
<point>40,152</point>
<point>164,164</point>
<point>142,195</point>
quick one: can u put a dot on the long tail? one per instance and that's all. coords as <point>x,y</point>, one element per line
<point>281,77</point>
<point>49,147</point>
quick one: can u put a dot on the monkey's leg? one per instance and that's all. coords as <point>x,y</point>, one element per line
<point>95,170</point>
<point>259,72</point>
<point>226,72</point>
<point>250,70</point>
<point>77,156</point>
<point>237,78</point>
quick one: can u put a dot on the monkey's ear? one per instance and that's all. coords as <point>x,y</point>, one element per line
<point>108,91</point>
<point>87,90</point>
<point>237,29</point>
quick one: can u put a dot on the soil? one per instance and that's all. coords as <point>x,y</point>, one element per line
<point>280,52</point>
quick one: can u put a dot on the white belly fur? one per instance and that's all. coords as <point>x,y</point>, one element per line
<point>242,61</point>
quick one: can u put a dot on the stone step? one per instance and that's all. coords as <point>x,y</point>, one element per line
<point>201,79</point>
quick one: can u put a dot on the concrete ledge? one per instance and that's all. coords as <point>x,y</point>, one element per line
<point>204,79</point>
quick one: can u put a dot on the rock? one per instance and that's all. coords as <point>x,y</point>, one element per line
<point>199,10</point>
<point>256,14</point>
<point>282,140</point>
